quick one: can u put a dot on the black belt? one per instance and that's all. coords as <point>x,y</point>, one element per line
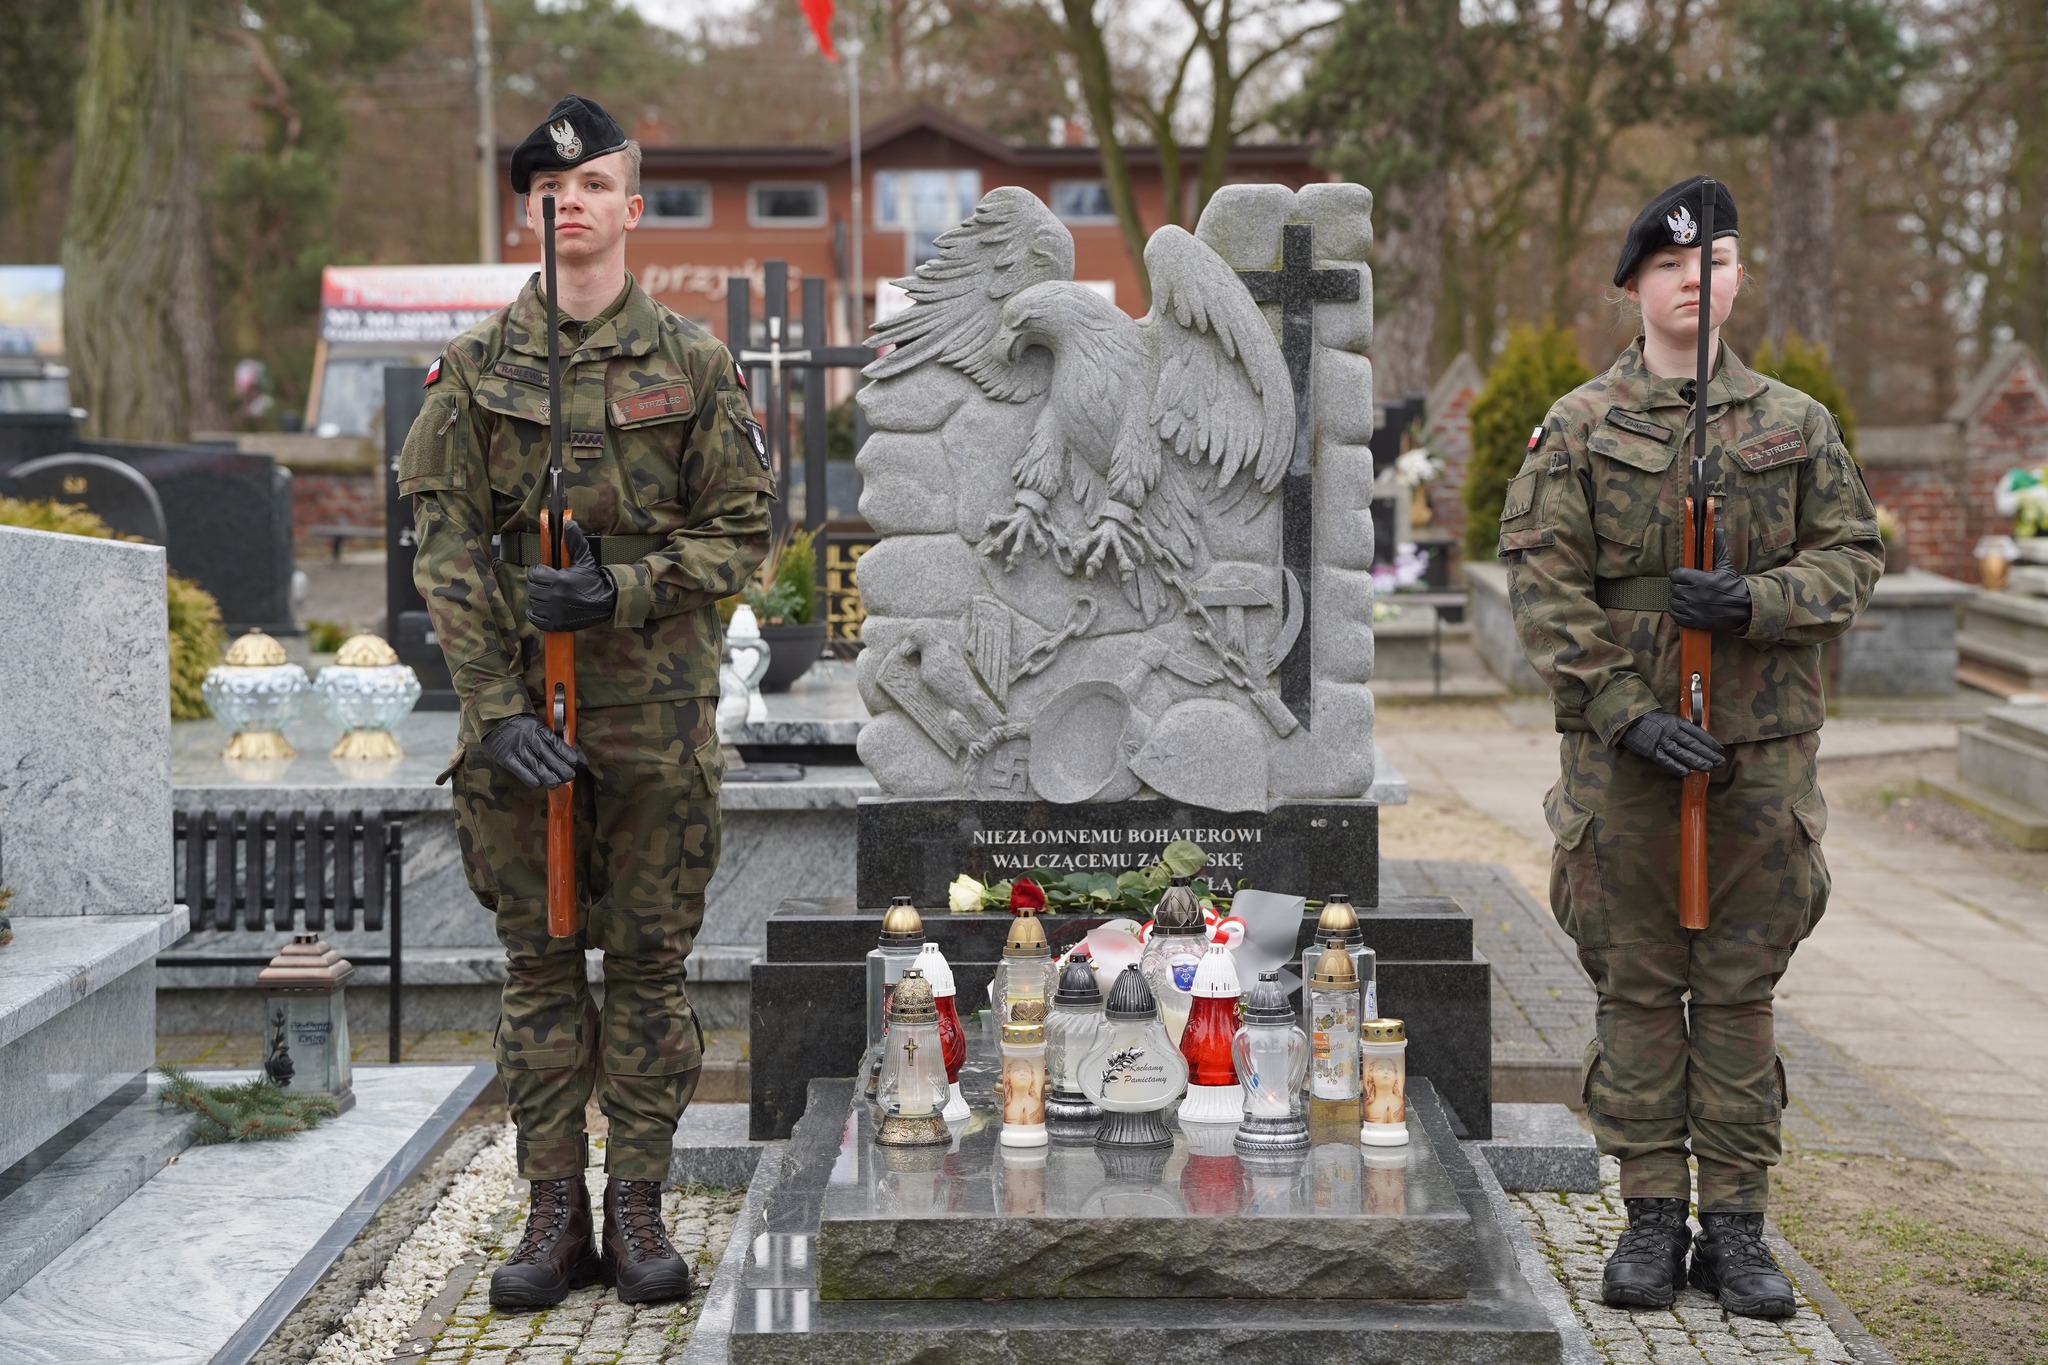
<point>1633,594</point>
<point>523,547</point>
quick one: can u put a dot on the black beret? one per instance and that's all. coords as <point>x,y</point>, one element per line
<point>1673,219</point>
<point>575,131</point>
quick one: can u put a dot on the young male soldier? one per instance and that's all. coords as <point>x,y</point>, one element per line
<point>1684,1063</point>
<point>668,488</point>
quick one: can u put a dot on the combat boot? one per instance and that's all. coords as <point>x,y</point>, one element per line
<point>1731,1262</point>
<point>556,1255</point>
<point>638,1257</point>
<point>1648,1263</point>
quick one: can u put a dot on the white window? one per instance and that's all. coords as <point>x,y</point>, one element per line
<point>776,203</point>
<point>923,204</point>
<point>1082,201</point>
<point>677,203</point>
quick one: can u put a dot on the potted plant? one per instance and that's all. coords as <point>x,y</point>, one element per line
<point>784,596</point>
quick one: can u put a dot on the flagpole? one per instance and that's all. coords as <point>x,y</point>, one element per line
<point>858,292</point>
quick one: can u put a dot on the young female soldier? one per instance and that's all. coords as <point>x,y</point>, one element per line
<point>1683,1063</point>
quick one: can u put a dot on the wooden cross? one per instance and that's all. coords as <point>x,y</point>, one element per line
<point>1297,286</point>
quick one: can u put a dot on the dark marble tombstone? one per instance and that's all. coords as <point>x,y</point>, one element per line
<point>32,435</point>
<point>110,490</point>
<point>229,519</point>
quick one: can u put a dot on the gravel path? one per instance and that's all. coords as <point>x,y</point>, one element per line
<point>1575,1232</point>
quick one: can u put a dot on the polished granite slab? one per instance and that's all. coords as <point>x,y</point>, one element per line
<point>175,1272</point>
<point>56,961</point>
<point>768,1310</point>
<point>1071,1220</point>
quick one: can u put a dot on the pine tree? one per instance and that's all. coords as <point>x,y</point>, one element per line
<point>1536,368</point>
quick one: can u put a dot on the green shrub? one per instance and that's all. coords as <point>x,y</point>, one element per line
<point>325,637</point>
<point>1537,367</point>
<point>796,569</point>
<point>197,637</point>
<point>1807,368</point>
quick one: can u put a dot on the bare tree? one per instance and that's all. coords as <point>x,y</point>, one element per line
<point>124,234</point>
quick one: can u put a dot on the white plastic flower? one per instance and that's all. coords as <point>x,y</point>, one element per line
<point>1415,468</point>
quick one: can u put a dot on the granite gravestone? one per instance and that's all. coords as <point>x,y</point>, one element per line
<point>112,491</point>
<point>1124,567</point>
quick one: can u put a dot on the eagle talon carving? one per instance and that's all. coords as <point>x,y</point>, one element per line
<point>1008,536</point>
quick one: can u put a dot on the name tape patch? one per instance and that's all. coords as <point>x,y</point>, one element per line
<point>525,374</point>
<point>1774,448</point>
<point>671,400</point>
<point>1641,426</point>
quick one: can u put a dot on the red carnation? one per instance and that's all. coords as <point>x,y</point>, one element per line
<point>1026,897</point>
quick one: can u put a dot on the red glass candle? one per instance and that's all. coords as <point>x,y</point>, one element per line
<point>1212,1023</point>
<point>952,1040</point>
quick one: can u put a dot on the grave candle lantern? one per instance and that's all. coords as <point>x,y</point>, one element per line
<point>1385,1048</point>
<point>913,1086</point>
<point>256,691</point>
<point>1023,1091</point>
<point>1333,1038</point>
<point>1213,1092</point>
<point>902,940</point>
<point>952,1038</point>
<point>305,1003</point>
<point>1071,1029</point>
<point>1338,924</point>
<point>1271,1056</point>
<point>1134,1071</point>
<point>366,692</point>
<point>1173,952</point>
<point>1023,984</point>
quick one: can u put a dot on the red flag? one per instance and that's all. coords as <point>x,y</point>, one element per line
<point>819,12</point>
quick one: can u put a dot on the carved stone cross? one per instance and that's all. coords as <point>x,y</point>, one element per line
<point>1297,286</point>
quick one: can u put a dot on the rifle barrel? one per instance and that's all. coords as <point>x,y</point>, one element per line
<point>1703,550</point>
<point>555,509</point>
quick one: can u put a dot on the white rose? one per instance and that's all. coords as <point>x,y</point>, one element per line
<point>964,895</point>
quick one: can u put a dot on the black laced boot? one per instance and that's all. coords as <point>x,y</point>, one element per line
<point>1731,1262</point>
<point>1648,1263</point>
<point>638,1257</point>
<point>556,1254</point>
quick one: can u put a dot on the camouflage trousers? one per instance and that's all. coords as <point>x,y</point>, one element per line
<point>1684,1060</point>
<point>646,845</point>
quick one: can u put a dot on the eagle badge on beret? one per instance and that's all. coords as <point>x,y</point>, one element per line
<point>1683,228</point>
<point>567,144</point>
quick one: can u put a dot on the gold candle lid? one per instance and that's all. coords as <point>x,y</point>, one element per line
<point>1384,1031</point>
<point>1338,921</point>
<point>913,1003</point>
<point>1334,970</point>
<point>1023,1034</point>
<point>255,650</point>
<point>901,924</point>
<point>1027,938</point>
<point>365,651</point>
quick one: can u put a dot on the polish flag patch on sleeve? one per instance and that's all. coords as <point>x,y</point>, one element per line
<point>433,374</point>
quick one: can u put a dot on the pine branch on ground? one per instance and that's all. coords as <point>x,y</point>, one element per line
<point>249,1111</point>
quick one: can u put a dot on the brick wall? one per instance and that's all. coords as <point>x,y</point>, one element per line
<point>1926,498</point>
<point>333,500</point>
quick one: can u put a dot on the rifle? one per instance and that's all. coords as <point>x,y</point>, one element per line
<point>1696,647</point>
<point>558,647</point>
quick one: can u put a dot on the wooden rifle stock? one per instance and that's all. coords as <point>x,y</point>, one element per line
<point>558,647</point>
<point>1696,647</point>
<point>1695,680</point>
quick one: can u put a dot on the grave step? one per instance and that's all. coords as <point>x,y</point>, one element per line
<point>2027,725</point>
<point>712,1146</point>
<point>2015,769</point>
<point>1998,667</point>
<point>1541,1147</point>
<point>2025,826</point>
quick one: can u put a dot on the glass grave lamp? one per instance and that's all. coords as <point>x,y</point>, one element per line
<point>1173,950</point>
<point>1384,1045</point>
<point>1333,1035</point>
<point>913,1087</point>
<point>952,1040</point>
<point>1023,1086</point>
<point>1271,1054</point>
<point>1071,1029</point>
<point>747,656</point>
<point>1339,924</point>
<point>305,1003</point>
<point>1022,991</point>
<point>1134,1072</point>
<point>1214,1095</point>
<point>366,692</point>
<point>902,940</point>
<point>256,692</point>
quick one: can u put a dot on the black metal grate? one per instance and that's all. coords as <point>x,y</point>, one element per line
<point>283,870</point>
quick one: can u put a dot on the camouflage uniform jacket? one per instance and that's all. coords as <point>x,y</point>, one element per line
<point>1602,496</point>
<point>660,441</point>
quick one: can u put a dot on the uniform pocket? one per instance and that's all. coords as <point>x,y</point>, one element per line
<point>709,759</point>
<point>1811,811</point>
<point>1576,899</point>
<point>428,462</point>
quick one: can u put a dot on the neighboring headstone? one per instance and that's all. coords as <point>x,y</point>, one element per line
<point>110,490</point>
<point>1493,628</point>
<point>1904,644</point>
<point>412,633</point>
<point>1447,424</point>
<point>2002,772</point>
<point>1126,559</point>
<point>229,518</point>
<point>32,435</point>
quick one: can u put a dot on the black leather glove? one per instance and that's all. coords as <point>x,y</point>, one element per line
<point>528,750</point>
<point>575,598</point>
<point>1673,743</point>
<point>1716,599</point>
